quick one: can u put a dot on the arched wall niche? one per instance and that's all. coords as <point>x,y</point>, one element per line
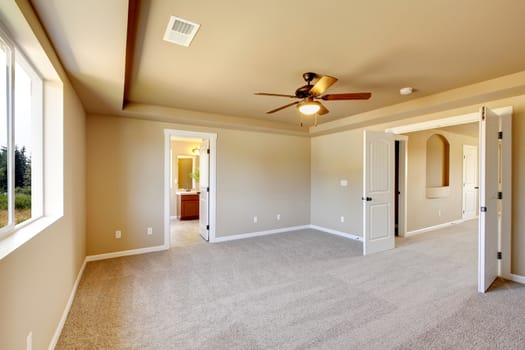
<point>437,166</point>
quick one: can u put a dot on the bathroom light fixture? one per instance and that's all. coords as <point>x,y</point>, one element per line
<point>309,107</point>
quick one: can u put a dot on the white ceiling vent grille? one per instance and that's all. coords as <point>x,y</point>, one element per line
<point>180,31</point>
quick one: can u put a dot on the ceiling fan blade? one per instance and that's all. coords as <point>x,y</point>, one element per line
<point>323,110</point>
<point>282,107</point>
<point>322,85</point>
<point>351,96</point>
<point>269,94</point>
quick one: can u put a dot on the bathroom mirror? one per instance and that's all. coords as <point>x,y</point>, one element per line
<point>186,166</point>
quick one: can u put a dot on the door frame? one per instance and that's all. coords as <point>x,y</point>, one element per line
<point>402,183</point>
<point>212,137</point>
<point>465,147</point>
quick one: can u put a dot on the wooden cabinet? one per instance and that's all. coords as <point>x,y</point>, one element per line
<point>187,206</point>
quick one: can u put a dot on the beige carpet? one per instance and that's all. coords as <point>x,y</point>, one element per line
<point>299,290</point>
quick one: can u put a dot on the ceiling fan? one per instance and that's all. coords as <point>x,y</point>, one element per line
<point>308,94</point>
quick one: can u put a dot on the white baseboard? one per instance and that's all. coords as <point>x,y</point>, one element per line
<point>153,249</point>
<point>436,227</point>
<point>516,278</point>
<point>69,303</point>
<point>337,233</point>
<point>258,234</point>
<point>283,230</point>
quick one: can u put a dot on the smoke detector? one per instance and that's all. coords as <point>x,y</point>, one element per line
<point>180,31</point>
<point>406,90</point>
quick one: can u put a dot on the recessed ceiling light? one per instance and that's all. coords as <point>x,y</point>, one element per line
<point>406,90</point>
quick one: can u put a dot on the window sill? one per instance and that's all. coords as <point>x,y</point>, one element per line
<point>24,234</point>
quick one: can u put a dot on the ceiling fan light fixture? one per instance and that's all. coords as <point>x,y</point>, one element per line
<point>309,107</point>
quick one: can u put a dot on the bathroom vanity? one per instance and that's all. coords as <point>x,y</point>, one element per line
<point>187,205</point>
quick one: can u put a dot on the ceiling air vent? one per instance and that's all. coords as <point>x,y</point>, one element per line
<point>180,31</point>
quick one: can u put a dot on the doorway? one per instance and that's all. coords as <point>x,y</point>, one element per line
<point>400,185</point>
<point>189,187</point>
<point>494,231</point>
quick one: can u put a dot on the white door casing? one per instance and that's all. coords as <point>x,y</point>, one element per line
<point>204,185</point>
<point>378,192</point>
<point>488,199</point>
<point>470,181</point>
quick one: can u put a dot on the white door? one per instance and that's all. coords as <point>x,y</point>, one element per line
<point>204,185</point>
<point>488,199</point>
<point>378,192</point>
<point>470,181</point>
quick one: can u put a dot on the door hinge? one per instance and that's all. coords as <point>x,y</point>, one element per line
<point>500,195</point>
<point>207,189</point>
<point>483,209</point>
<point>500,255</point>
<point>208,227</point>
<point>368,199</point>
<point>500,135</point>
<point>208,151</point>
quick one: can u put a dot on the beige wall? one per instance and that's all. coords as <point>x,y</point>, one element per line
<point>425,212</point>
<point>258,174</point>
<point>37,278</point>
<point>337,157</point>
<point>261,175</point>
<point>518,186</point>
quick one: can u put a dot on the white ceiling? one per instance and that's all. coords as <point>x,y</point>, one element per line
<point>244,47</point>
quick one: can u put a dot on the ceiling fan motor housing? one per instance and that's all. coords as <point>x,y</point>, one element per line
<point>303,91</point>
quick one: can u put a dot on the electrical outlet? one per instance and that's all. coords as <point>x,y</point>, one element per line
<point>29,341</point>
<point>278,217</point>
<point>255,219</point>
<point>439,212</point>
<point>150,231</point>
<point>118,234</point>
<point>342,219</point>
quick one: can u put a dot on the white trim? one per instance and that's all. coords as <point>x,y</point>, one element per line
<point>157,248</point>
<point>212,137</point>
<point>258,234</point>
<point>444,122</point>
<point>515,278</point>
<point>476,174</point>
<point>24,233</point>
<point>437,227</point>
<point>337,233</point>
<point>69,303</point>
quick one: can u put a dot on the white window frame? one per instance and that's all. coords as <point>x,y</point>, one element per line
<point>14,56</point>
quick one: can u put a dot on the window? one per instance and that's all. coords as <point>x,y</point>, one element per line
<point>20,138</point>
